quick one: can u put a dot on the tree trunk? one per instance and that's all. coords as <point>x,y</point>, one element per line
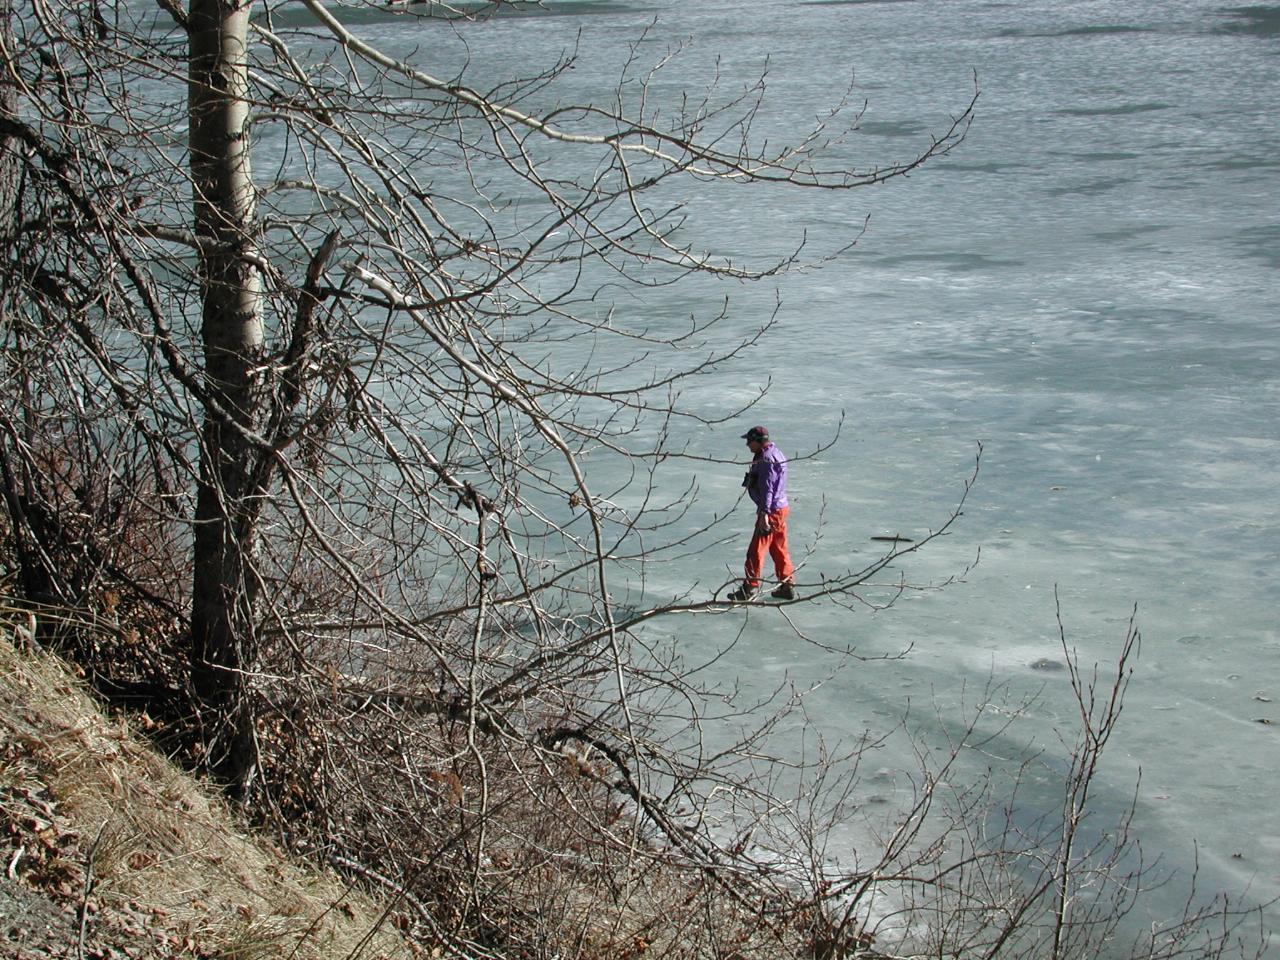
<point>226,586</point>
<point>8,154</point>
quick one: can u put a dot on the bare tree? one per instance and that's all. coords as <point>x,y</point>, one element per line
<point>233,485</point>
<point>345,320</point>
<point>332,427</point>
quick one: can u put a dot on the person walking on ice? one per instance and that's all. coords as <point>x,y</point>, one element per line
<point>766,483</point>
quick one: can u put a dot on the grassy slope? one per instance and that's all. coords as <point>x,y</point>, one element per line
<point>95,825</point>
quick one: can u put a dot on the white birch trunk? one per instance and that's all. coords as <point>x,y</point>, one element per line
<point>225,587</point>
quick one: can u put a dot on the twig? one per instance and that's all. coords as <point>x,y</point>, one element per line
<point>452,943</point>
<point>13,864</point>
<point>88,888</point>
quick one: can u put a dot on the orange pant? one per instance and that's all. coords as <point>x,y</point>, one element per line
<point>775,544</point>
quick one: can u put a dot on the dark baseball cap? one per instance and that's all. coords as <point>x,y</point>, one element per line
<point>757,433</point>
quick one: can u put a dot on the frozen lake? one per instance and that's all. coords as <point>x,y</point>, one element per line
<point>1087,287</point>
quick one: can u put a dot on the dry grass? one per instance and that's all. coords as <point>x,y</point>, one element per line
<point>86,806</point>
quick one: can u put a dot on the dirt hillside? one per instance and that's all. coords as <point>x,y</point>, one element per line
<point>109,851</point>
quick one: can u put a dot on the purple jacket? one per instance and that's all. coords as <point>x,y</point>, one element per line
<point>767,480</point>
